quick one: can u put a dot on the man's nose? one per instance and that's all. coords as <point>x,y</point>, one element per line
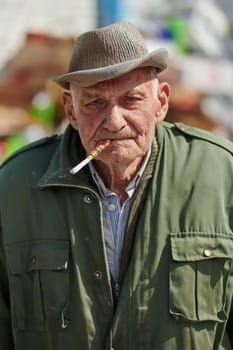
<point>114,120</point>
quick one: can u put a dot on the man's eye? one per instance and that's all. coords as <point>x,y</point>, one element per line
<point>132,98</point>
<point>93,103</point>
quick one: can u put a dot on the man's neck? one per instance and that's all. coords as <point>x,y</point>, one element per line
<point>117,177</point>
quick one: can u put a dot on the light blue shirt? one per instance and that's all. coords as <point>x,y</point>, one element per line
<point>115,217</point>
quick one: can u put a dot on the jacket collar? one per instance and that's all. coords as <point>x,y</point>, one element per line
<point>69,153</point>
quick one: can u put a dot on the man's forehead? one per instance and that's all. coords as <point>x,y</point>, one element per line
<point>102,90</point>
<point>129,82</point>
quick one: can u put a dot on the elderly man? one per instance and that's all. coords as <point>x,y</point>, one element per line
<point>133,249</point>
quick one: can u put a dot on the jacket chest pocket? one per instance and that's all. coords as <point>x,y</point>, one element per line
<point>39,284</point>
<point>200,276</point>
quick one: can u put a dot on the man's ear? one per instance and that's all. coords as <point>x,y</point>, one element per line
<point>163,97</point>
<point>69,109</point>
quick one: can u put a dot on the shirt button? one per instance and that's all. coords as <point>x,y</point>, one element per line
<point>111,207</point>
<point>87,199</point>
<point>98,275</point>
<point>207,253</point>
<point>21,324</point>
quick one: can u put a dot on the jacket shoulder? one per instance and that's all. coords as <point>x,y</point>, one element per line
<point>36,146</point>
<point>206,136</point>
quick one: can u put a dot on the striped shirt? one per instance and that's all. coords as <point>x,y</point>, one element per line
<point>115,216</point>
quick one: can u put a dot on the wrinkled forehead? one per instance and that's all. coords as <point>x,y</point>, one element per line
<point>131,81</point>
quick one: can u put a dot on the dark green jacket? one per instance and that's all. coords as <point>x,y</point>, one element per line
<point>55,289</point>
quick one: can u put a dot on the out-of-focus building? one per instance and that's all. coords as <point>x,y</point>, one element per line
<point>37,37</point>
<point>53,17</point>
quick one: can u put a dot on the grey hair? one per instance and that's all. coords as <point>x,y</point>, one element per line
<point>155,81</point>
<point>73,86</point>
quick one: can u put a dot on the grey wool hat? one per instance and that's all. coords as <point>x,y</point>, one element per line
<point>109,52</point>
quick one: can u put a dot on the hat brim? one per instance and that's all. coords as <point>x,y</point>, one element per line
<point>156,59</point>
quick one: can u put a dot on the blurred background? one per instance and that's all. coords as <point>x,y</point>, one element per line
<point>37,38</point>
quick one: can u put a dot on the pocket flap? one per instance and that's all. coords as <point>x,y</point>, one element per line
<point>37,255</point>
<point>199,246</point>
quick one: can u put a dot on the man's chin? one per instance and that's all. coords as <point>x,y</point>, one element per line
<point>120,158</point>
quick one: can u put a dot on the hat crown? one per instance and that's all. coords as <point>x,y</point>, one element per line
<point>116,43</point>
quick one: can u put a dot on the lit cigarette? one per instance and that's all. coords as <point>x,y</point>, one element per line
<point>92,154</point>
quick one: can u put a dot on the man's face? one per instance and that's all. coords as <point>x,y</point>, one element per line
<point>122,110</point>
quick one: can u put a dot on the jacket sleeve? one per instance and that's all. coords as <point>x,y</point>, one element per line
<point>230,320</point>
<point>6,337</point>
